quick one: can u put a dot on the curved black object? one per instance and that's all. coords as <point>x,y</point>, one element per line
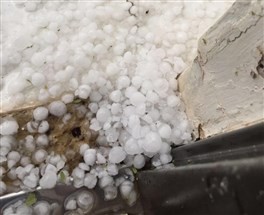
<point>222,175</point>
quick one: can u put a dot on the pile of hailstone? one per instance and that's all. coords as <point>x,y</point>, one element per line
<point>123,57</point>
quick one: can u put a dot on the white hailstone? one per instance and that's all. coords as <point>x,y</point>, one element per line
<point>8,126</point>
<point>42,208</point>
<point>85,200</point>
<point>38,59</point>
<point>129,91</point>
<point>125,188</point>
<point>112,169</point>
<point>89,156</point>
<point>32,126</point>
<point>161,85</point>
<point>123,82</point>
<point>173,101</point>
<point>43,95</point>
<point>165,148</point>
<point>14,155</point>
<point>30,180</point>
<point>181,37</point>
<point>155,161</point>
<point>23,209</point>
<point>95,96</point>
<point>8,141</point>
<point>165,158</point>
<point>66,118</point>
<point>110,192</point>
<point>90,180</point>
<point>54,159</point>
<point>38,79</point>
<point>119,49</point>
<point>141,109</point>
<point>133,121</point>
<point>60,164</point>
<point>116,108</point>
<point>5,150</point>
<point>2,187</point>
<point>116,155</point>
<point>95,125</point>
<point>50,37</point>
<point>83,148</point>
<point>57,108</point>
<point>40,113</point>
<point>100,159</point>
<point>67,98</point>
<point>152,97</point>
<point>73,84</point>
<point>55,90</point>
<point>48,180</point>
<point>11,163</point>
<point>71,204</point>
<point>146,86</point>
<point>83,91</point>
<point>42,140</point>
<point>112,69</point>
<point>78,173</point>
<point>39,156</point>
<point>28,168</point>
<point>139,161</point>
<point>137,98</point>
<point>100,49</point>
<point>106,181</point>
<point>84,166</point>
<point>43,127</point>
<point>164,131</point>
<point>25,161</point>
<point>82,61</point>
<point>116,96</point>
<point>12,174</point>
<point>137,81</point>
<point>112,135</point>
<point>78,182</point>
<point>154,114</point>
<point>93,107</point>
<point>103,114</point>
<point>29,143</point>
<point>131,147</point>
<point>20,172</point>
<point>152,143</point>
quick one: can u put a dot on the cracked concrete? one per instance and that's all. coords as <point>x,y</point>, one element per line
<point>219,90</point>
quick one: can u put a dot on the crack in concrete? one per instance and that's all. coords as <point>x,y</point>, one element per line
<point>228,41</point>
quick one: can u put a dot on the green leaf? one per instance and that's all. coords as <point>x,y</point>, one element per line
<point>62,176</point>
<point>31,199</point>
<point>77,101</point>
<point>134,170</point>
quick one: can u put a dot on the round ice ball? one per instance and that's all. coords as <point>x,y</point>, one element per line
<point>117,154</point>
<point>8,126</point>
<point>40,113</point>
<point>57,108</point>
<point>152,143</point>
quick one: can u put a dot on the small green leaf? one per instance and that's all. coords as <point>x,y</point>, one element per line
<point>31,199</point>
<point>134,170</point>
<point>77,101</point>
<point>62,176</point>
